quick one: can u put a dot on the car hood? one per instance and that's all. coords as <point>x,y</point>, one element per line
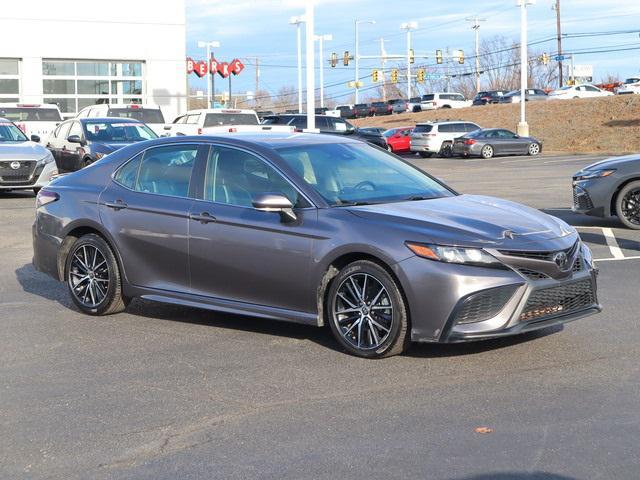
<point>22,151</point>
<point>108,147</point>
<point>471,220</point>
<point>613,162</point>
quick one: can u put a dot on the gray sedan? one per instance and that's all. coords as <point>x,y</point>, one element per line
<point>610,188</point>
<point>531,95</point>
<point>488,142</point>
<point>314,229</point>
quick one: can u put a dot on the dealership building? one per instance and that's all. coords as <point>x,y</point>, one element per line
<point>77,53</point>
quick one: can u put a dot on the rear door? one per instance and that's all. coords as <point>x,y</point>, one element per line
<point>146,208</point>
<point>72,153</point>
<point>57,140</point>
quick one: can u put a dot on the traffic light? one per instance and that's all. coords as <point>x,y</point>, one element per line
<point>394,75</point>
<point>420,76</point>
<point>334,60</point>
<point>461,57</point>
<point>345,60</point>
<point>545,59</point>
<point>412,56</point>
<point>438,57</point>
<point>374,76</point>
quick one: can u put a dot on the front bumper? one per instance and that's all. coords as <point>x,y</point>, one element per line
<point>593,197</point>
<point>37,177</point>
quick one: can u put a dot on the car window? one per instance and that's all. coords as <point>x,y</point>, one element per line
<point>146,115</point>
<point>63,131</point>
<point>458,127</point>
<point>423,128</point>
<point>470,127</point>
<point>299,122</point>
<point>235,177</point>
<point>323,123</point>
<point>591,89</point>
<point>76,129</point>
<point>229,118</point>
<point>192,119</point>
<point>506,134</point>
<point>128,174</point>
<point>492,134</point>
<point>446,128</point>
<point>427,98</point>
<point>117,131</point>
<point>167,170</point>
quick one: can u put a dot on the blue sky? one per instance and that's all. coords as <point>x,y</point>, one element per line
<point>249,28</point>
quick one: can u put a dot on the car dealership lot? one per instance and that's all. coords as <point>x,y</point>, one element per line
<point>171,392</point>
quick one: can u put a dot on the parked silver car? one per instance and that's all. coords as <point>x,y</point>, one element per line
<point>436,138</point>
<point>531,95</point>
<point>489,142</point>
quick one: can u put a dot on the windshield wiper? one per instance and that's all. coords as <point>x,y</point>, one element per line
<point>416,198</point>
<point>352,203</point>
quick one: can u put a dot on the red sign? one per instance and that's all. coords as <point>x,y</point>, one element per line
<point>190,65</point>
<point>201,68</point>
<point>236,66</point>
<point>213,66</point>
<point>223,69</point>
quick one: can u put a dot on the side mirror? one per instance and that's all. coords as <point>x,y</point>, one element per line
<point>74,139</point>
<point>275,202</point>
<point>167,127</point>
<point>35,138</point>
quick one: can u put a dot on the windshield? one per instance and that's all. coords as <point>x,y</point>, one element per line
<point>219,119</point>
<point>145,115</point>
<point>10,133</point>
<point>348,174</point>
<point>117,132</point>
<point>631,80</point>
<point>389,133</point>
<point>30,114</point>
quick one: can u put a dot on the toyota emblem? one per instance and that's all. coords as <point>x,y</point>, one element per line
<point>15,165</point>
<point>561,259</point>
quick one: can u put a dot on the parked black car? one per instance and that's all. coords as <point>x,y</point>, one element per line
<point>346,111</point>
<point>77,143</point>
<point>321,110</point>
<point>327,124</point>
<point>382,108</point>
<point>488,96</point>
<point>362,110</point>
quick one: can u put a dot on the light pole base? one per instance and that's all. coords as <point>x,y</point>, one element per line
<point>523,129</point>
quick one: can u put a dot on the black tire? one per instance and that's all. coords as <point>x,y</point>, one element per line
<point>114,301</point>
<point>446,106</point>
<point>397,339</point>
<point>628,205</point>
<point>389,149</point>
<point>533,149</point>
<point>36,191</point>
<point>487,152</point>
<point>446,150</point>
<point>425,154</point>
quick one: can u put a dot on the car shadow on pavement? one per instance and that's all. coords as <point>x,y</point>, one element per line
<point>40,284</point>
<point>579,220</point>
<point>516,476</point>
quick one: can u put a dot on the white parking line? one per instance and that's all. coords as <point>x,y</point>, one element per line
<point>615,259</point>
<point>566,160</point>
<point>616,251</point>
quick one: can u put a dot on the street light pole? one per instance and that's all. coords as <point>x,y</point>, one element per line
<point>408,26</point>
<point>357,54</point>
<point>297,21</point>
<point>321,39</point>
<point>311,71</point>
<point>209,46</point>
<point>476,26</point>
<point>523,126</point>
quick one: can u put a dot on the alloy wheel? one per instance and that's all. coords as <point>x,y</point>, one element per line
<point>363,311</point>
<point>631,206</point>
<point>487,151</point>
<point>89,276</point>
<point>534,149</point>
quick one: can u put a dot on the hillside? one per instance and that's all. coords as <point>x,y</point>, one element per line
<point>596,125</point>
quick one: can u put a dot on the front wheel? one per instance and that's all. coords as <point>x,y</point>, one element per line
<point>534,149</point>
<point>487,151</point>
<point>93,277</point>
<point>628,205</point>
<point>389,149</point>
<point>367,312</point>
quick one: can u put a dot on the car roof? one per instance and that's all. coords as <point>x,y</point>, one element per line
<point>5,120</point>
<point>29,105</point>
<point>219,110</point>
<point>440,122</point>
<point>107,120</point>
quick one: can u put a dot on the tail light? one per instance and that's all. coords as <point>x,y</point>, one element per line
<point>199,131</point>
<point>469,141</point>
<point>233,129</point>
<point>45,197</point>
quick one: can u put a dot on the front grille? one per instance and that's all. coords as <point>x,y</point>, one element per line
<point>484,305</point>
<point>581,199</point>
<point>532,274</point>
<point>540,255</point>
<point>25,168</point>
<point>559,300</point>
<point>577,266</point>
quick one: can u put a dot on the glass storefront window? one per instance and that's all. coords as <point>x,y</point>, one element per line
<point>58,87</point>
<point>127,87</point>
<point>9,86</point>
<point>58,68</point>
<point>8,66</point>
<point>93,69</point>
<point>93,87</point>
<point>66,105</point>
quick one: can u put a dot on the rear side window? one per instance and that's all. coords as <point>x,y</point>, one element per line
<point>423,128</point>
<point>219,119</point>
<point>128,174</point>
<point>471,127</point>
<point>146,115</point>
<point>458,127</point>
<point>30,114</point>
<point>167,170</point>
<point>446,128</point>
<point>427,98</point>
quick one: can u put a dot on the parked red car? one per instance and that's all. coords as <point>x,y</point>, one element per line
<point>398,139</point>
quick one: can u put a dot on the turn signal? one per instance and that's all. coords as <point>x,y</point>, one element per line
<point>422,251</point>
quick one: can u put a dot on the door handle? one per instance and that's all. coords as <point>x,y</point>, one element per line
<point>117,205</point>
<point>204,217</point>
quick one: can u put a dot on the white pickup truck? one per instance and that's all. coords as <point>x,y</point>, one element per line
<point>219,120</point>
<point>38,119</point>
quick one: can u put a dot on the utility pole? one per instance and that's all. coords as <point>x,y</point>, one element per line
<point>383,61</point>
<point>297,21</point>
<point>559,29</point>
<point>357,55</point>
<point>448,72</point>
<point>523,126</point>
<point>408,26</point>
<point>476,26</point>
<point>257,79</point>
<point>311,70</point>
<point>210,81</point>
<point>321,39</point>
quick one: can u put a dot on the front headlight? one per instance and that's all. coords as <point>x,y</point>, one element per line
<point>587,175</point>
<point>47,159</point>
<point>451,254</point>
<point>99,155</point>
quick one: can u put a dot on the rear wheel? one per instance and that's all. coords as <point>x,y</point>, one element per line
<point>425,154</point>
<point>446,150</point>
<point>534,149</point>
<point>93,277</point>
<point>368,314</point>
<point>628,205</point>
<point>446,106</point>
<point>487,151</point>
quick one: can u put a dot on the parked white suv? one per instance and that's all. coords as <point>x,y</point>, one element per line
<point>437,137</point>
<point>578,91</point>
<point>219,120</point>
<point>146,113</point>
<point>33,118</point>
<point>630,86</point>
<point>433,101</point>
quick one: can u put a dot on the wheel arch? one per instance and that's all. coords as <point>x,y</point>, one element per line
<point>614,197</point>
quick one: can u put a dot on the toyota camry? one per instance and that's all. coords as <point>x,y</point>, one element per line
<point>315,229</point>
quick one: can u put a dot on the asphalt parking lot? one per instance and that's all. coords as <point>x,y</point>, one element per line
<point>167,392</point>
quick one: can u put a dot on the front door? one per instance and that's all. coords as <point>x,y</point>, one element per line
<point>146,209</point>
<point>72,153</point>
<point>239,253</point>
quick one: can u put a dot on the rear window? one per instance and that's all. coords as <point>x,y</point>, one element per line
<point>146,115</point>
<point>362,105</point>
<point>344,107</point>
<point>428,98</point>
<point>30,114</point>
<point>218,119</point>
<point>423,128</point>
<point>379,104</point>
